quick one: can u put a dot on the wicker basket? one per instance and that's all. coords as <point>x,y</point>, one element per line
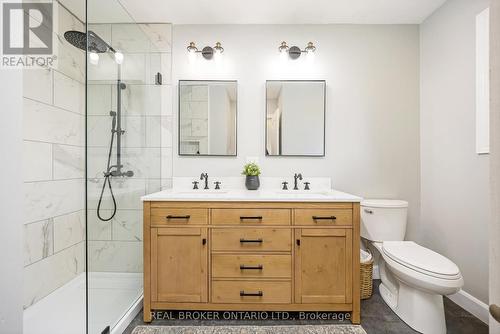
<point>366,280</point>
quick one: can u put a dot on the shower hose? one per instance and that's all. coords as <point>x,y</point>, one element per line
<point>107,177</point>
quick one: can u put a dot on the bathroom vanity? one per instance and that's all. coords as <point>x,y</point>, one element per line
<point>247,251</point>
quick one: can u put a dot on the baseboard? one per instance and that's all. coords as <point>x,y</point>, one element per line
<point>133,311</point>
<point>376,272</point>
<point>471,304</point>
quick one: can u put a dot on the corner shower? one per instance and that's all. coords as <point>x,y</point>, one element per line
<point>95,45</point>
<point>84,238</point>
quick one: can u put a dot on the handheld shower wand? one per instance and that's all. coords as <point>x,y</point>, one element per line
<point>114,170</point>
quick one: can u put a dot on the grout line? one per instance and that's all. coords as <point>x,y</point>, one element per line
<point>52,160</point>
<point>53,106</point>
<point>55,180</point>
<point>54,253</point>
<point>57,216</point>
<point>47,142</point>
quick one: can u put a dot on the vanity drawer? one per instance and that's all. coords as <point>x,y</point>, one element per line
<point>251,239</point>
<point>251,216</point>
<point>253,266</point>
<point>243,292</point>
<point>178,216</point>
<point>322,217</point>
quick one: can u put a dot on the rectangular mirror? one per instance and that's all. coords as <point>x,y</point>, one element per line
<point>295,118</point>
<point>207,118</point>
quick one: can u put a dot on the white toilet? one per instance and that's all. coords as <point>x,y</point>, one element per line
<point>414,278</point>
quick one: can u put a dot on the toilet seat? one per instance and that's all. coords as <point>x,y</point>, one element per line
<point>421,259</point>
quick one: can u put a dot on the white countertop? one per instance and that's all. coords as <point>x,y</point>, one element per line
<point>239,195</point>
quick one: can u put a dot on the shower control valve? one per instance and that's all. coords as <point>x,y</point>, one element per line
<point>195,185</point>
<point>217,185</point>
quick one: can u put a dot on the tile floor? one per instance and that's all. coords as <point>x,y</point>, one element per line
<point>376,318</point>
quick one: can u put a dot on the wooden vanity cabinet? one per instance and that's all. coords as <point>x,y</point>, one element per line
<point>251,256</point>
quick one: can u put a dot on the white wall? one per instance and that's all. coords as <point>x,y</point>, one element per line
<point>454,190</point>
<point>11,199</point>
<point>494,230</point>
<point>372,120</point>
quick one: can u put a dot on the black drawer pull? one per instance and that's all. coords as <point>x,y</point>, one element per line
<point>178,217</point>
<point>259,267</point>
<point>324,218</point>
<point>250,218</point>
<point>251,294</point>
<point>242,240</point>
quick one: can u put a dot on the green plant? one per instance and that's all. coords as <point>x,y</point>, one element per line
<point>251,169</point>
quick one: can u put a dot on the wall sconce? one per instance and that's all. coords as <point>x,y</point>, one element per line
<point>295,52</point>
<point>207,52</point>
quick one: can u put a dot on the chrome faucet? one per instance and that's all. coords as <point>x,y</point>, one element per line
<point>295,177</point>
<point>204,176</point>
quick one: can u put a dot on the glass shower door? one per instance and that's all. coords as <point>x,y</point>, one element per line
<point>123,159</point>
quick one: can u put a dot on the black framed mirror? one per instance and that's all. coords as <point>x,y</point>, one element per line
<point>208,117</point>
<point>295,118</point>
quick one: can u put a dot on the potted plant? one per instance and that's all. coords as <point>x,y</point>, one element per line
<point>251,171</point>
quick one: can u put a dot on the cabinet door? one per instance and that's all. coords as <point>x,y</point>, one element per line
<point>179,265</point>
<point>323,266</point>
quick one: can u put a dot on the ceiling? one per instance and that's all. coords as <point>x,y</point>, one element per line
<point>281,11</point>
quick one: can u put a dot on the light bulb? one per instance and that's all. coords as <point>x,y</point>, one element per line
<point>283,47</point>
<point>94,58</point>
<point>192,48</point>
<point>218,48</point>
<point>119,57</point>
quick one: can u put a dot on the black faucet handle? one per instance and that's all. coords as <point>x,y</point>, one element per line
<point>217,185</point>
<point>306,185</point>
<point>285,185</point>
<point>195,184</point>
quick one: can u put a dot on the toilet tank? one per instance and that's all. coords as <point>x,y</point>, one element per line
<point>383,220</point>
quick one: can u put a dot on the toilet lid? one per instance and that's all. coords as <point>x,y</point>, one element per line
<point>420,259</point>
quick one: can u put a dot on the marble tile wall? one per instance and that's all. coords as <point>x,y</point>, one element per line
<point>53,168</point>
<point>116,245</point>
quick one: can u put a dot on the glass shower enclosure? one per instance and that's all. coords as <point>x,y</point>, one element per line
<point>126,63</point>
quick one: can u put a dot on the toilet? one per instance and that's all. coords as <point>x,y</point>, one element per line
<point>414,278</point>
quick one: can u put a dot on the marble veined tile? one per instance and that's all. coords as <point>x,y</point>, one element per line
<point>166,163</point>
<point>37,85</point>
<point>166,100</point>
<point>96,228</point>
<point>99,99</point>
<point>50,124</point>
<point>37,161</point>
<point>69,230</point>
<point>67,21</point>
<point>77,8</point>
<point>43,200</point>
<point>99,131</point>
<point>38,241</point>
<point>43,277</point>
<point>69,94</point>
<point>140,99</point>
<point>70,60</point>
<point>69,162</point>
<point>128,193</point>
<point>130,38</point>
<point>159,35</point>
<point>167,131</point>
<point>144,162</point>
<point>115,256</point>
<point>127,225</point>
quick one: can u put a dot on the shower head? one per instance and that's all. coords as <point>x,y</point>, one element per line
<point>87,41</point>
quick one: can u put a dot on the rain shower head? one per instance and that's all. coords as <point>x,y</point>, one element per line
<point>87,41</point>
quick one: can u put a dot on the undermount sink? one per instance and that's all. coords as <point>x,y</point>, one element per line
<point>302,192</point>
<point>202,192</point>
